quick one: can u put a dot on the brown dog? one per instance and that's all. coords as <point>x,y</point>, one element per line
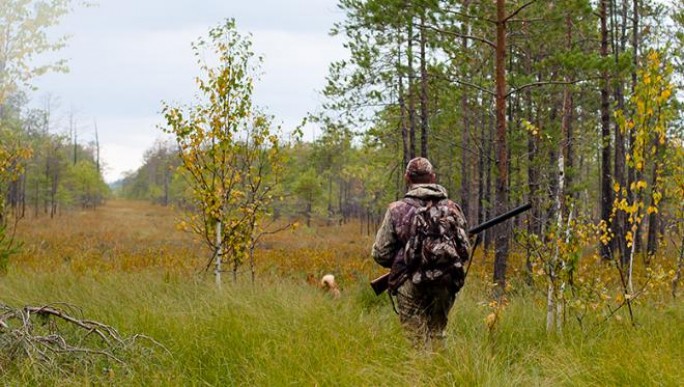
<point>328,284</point>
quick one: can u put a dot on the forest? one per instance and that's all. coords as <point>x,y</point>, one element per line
<point>211,251</point>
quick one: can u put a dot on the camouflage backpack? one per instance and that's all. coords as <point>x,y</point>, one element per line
<point>437,245</point>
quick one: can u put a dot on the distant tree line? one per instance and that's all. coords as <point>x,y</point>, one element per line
<point>43,167</point>
<point>311,191</point>
<point>156,180</point>
<point>51,170</point>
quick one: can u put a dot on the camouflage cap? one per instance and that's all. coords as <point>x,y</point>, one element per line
<point>419,166</point>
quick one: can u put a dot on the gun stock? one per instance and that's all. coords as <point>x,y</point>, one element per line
<point>381,283</point>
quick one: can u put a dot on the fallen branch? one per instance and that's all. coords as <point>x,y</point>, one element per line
<point>51,335</point>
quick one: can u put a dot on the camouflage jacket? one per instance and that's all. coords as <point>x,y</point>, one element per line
<point>393,234</point>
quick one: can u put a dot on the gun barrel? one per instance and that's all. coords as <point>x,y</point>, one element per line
<point>491,222</point>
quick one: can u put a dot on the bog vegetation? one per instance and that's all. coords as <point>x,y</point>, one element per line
<point>569,105</point>
<point>126,265</point>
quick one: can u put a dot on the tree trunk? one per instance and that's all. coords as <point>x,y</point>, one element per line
<point>402,107</point>
<point>54,185</point>
<point>533,218</point>
<point>502,230</point>
<point>36,199</point>
<point>465,161</point>
<point>481,168</point>
<point>218,254</point>
<point>167,185</point>
<point>97,150</point>
<point>606,249</point>
<point>465,133</point>
<point>74,136</point>
<point>570,149</point>
<point>561,207</point>
<point>619,44</point>
<point>423,90</point>
<point>487,203</point>
<point>680,269</point>
<point>252,262</point>
<point>411,80</point>
<point>550,217</point>
<point>632,174</point>
<point>555,294</point>
<point>566,131</point>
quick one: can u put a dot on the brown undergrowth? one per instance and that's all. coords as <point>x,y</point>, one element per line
<point>129,236</point>
<point>132,236</point>
<point>121,235</point>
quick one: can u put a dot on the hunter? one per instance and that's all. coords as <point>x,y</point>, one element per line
<point>423,303</point>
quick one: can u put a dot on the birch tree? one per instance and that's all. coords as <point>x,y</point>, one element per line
<point>23,35</point>
<point>229,154</point>
<point>651,117</point>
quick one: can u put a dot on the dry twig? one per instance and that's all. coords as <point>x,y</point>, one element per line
<point>51,335</point>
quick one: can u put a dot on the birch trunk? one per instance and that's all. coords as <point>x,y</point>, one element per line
<point>630,287</point>
<point>554,291</point>
<point>219,245</point>
<point>550,302</point>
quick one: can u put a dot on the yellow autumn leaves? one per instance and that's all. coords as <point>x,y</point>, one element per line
<point>647,124</point>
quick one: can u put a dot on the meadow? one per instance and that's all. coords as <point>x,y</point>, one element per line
<point>127,266</point>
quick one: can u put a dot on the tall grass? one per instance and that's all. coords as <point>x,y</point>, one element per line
<point>281,332</point>
<point>284,331</point>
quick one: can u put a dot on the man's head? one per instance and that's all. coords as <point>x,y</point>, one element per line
<point>419,171</point>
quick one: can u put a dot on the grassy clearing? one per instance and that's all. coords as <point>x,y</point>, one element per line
<point>284,331</point>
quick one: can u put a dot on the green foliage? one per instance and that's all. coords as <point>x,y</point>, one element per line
<point>84,184</point>
<point>157,179</point>
<point>13,152</point>
<point>23,36</point>
<point>308,187</point>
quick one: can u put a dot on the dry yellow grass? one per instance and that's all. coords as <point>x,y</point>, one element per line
<point>133,236</point>
<point>130,236</point>
<point>121,235</point>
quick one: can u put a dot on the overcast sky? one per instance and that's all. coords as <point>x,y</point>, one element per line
<point>126,56</point>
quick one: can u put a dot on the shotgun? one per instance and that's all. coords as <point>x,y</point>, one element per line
<point>381,283</point>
